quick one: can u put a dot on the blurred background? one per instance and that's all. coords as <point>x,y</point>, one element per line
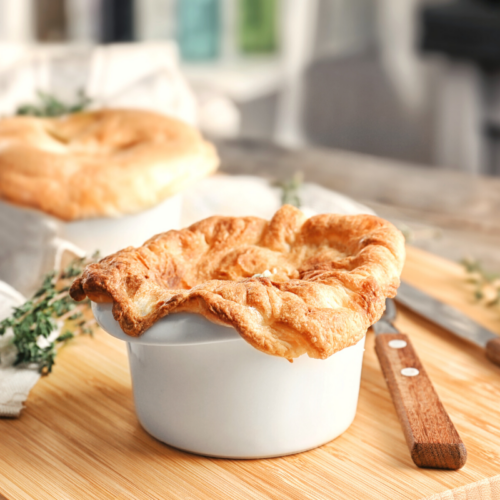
<point>406,79</point>
<point>411,87</point>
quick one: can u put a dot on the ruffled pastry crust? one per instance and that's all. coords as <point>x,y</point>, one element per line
<point>100,163</point>
<point>331,275</point>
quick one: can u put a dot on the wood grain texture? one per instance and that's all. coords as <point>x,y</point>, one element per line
<point>493,351</point>
<point>431,436</point>
<point>461,209</point>
<point>452,199</point>
<point>79,437</point>
<point>487,489</point>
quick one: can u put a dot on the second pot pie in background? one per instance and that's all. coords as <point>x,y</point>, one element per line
<point>104,163</point>
<point>99,180</point>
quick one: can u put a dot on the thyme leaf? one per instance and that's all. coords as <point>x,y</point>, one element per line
<point>486,284</point>
<point>35,322</point>
<point>50,106</point>
<point>290,190</point>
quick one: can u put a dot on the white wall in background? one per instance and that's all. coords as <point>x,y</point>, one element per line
<point>311,30</point>
<point>344,26</point>
<point>16,20</point>
<point>397,39</point>
<point>155,19</point>
<point>298,25</point>
<point>460,118</point>
<point>229,42</point>
<point>83,18</point>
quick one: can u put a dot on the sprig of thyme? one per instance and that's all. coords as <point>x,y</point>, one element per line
<point>290,190</point>
<point>486,284</point>
<point>36,321</point>
<point>49,105</point>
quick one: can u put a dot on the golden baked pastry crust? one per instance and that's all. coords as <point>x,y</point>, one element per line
<point>101,163</point>
<point>331,275</point>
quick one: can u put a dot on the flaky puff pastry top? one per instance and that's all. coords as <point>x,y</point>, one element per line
<point>330,277</point>
<point>101,163</point>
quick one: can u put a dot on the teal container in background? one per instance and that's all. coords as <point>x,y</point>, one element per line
<point>257,23</point>
<point>198,29</point>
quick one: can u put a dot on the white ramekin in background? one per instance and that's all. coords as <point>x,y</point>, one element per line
<point>110,234</point>
<point>200,387</point>
<point>32,243</point>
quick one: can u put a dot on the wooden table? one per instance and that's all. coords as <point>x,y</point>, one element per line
<point>79,437</point>
<point>449,213</point>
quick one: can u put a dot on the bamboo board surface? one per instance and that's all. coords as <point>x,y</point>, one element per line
<point>79,437</point>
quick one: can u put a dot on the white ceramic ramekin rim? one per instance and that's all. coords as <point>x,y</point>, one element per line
<point>172,330</point>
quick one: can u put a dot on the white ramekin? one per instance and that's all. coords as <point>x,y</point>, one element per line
<point>33,243</point>
<point>110,234</point>
<point>200,387</point>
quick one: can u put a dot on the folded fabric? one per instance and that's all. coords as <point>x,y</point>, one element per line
<point>249,195</point>
<point>30,247</point>
<point>134,75</point>
<point>15,383</point>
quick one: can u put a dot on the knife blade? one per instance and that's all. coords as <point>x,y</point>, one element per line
<point>450,319</point>
<point>430,434</point>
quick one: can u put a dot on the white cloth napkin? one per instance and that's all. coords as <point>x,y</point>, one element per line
<point>133,75</point>
<point>248,195</point>
<point>15,383</point>
<point>31,244</point>
<point>30,248</point>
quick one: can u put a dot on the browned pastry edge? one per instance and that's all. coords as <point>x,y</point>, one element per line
<point>102,163</point>
<point>331,275</point>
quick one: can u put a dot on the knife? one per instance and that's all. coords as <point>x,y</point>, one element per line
<point>450,319</point>
<point>430,434</point>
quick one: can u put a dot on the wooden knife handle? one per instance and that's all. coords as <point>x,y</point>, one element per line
<point>430,434</point>
<point>493,351</point>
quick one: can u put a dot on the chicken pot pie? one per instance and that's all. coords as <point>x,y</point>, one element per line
<point>103,163</point>
<point>289,286</point>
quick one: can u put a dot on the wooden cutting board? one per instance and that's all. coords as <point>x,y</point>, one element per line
<point>79,438</point>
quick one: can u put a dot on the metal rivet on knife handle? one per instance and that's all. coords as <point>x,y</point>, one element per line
<point>410,372</point>
<point>397,344</point>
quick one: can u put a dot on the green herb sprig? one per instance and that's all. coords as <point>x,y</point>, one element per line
<point>290,189</point>
<point>486,284</point>
<point>51,307</point>
<point>50,106</point>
